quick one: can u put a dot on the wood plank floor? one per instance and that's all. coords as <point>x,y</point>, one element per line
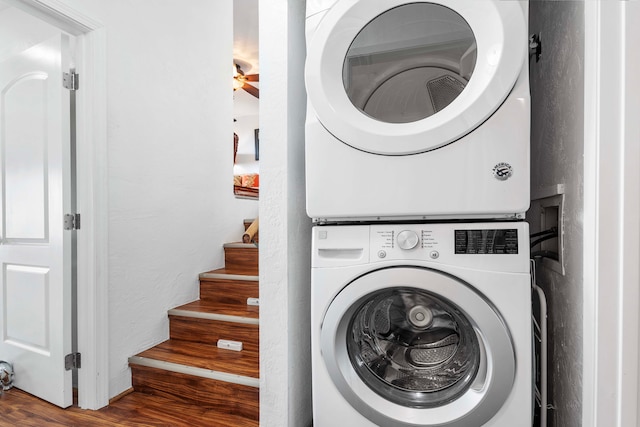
<point>18,408</point>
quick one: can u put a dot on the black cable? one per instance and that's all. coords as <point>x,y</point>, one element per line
<point>541,233</point>
<point>542,239</point>
<point>545,254</point>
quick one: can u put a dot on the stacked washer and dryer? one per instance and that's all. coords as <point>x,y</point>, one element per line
<point>417,175</point>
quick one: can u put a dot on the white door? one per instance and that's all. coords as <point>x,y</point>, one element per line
<point>35,251</point>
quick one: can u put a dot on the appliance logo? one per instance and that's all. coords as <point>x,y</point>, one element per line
<point>502,171</point>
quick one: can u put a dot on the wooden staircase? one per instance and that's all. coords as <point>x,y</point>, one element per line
<point>190,367</point>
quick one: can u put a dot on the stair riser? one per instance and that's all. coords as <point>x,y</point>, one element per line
<point>223,397</point>
<point>243,260</point>
<point>228,291</point>
<point>210,331</point>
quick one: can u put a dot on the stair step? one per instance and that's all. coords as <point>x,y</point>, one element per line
<point>226,274</point>
<point>241,258</point>
<point>228,363</point>
<point>224,380</point>
<point>178,383</point>
<point>204,324</point>
<point>218,286</point>
<point>218,311</point>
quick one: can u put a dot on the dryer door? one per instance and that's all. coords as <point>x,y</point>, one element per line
<point>410,346</point>
<point>396,77</point>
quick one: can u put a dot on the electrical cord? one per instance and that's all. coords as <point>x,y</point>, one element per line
<point>552,230</point>
<point>545,254</point>
<point>542,239</point>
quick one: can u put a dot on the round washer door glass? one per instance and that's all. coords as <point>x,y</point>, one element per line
<point>407,343</point>
<point>396,77</point>
<point>413,348</point>
<point>409,62</point>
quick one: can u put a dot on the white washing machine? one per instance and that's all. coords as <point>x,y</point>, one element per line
<point>417,109</point>
<point>421,325</point>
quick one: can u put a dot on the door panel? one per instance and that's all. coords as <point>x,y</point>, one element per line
<point>24,158</point>
<point>35,256</point>
<point>26,315</point>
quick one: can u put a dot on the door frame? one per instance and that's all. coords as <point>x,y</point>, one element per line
<point>91,185</point>
<point>611,273</point>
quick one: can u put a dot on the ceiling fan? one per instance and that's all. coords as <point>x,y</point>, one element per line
<point>240,81</point>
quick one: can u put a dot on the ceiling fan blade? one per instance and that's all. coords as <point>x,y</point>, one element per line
<point>252,77</point>
<point>252,90</point>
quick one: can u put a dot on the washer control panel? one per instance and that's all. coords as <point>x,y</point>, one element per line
<point>435,241</point>
<point>502,246</point>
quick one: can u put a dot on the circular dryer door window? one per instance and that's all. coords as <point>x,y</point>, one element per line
<point>403,344</point>
<point>409,63</point>
<point>400,77</point>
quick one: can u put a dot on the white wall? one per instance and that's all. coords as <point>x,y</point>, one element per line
<point>285,365</point>
<point>169,161</point>
<point>557,146</point>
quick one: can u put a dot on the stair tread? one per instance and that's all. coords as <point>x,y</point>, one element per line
<point>205,356</point>
<point>201,306</point>
<point>240,245</point>
<point>229,271</point>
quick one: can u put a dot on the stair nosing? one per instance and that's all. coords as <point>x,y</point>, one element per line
<point>240,245</point>
<point>226,276</point>
<point>214,316</point>
<point>196,372</point>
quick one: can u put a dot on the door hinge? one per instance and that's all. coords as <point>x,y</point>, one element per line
<point>70,80</point>
<point>72,221</point>
<point>72,361</point>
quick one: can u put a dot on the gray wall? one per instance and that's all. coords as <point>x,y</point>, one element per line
<point>557,130</point>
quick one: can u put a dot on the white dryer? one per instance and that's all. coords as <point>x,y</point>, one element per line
<point>420,325</point>
<point>417,109</point>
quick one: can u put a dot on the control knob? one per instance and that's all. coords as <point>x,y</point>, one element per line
<point>407,239</point>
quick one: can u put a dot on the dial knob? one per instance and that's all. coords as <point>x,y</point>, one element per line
<point>407,239</point>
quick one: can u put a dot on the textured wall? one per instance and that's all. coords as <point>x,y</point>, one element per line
<point>285,362</point>
<point>557,93</point>
<point>171,205</point>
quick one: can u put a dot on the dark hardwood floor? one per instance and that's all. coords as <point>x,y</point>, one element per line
<point>18,408</point>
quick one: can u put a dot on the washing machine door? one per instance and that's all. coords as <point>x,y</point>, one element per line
<point>410,346</point>
<point>395,77</point>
